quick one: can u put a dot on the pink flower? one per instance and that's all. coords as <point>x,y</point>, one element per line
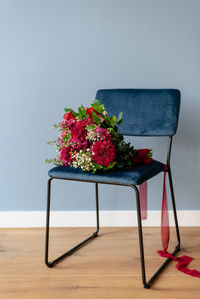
<point>65,156</point>
<point>103,133</point>
<point>103,152</point>
<point>63,133</point>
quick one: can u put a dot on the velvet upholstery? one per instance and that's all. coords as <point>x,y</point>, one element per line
<point>146,112</point>
<point>136,176</point>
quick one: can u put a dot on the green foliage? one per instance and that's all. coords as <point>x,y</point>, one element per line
<point>67,110</point>
<point>97,166</point>
<point>113,121</point>
<point>98,108</point>
<point>124,153</point>
<point>119,119</point>
<point>81,112</point>
<point>90,127</point>
<point>95,117</point>
<point>110,166</point>
<point>97,102</point>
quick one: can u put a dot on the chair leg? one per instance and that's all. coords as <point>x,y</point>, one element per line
<point>69,252</point>
<point>174,208</point>
<point>148,284</point>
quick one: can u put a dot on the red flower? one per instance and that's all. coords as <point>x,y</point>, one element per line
<point>78,130</point>
<point>141,156</point>
<point>69,116</point>
<point>65,156</point>
<point>89,112</point>
<point>103,152</point>
<point>78,134</point>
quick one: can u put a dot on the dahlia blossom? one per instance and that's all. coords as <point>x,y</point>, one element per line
<point>65,156</point>
<point>103,152</point>
<point>78,135</point>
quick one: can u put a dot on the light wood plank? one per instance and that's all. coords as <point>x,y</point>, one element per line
<point>108,267</point>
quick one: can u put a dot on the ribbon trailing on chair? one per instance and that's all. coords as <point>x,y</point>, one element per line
<point>182,261</point>
<point>143,199</point>
<point>142,156</point>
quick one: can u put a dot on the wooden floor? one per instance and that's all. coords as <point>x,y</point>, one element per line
<point>108,267</point>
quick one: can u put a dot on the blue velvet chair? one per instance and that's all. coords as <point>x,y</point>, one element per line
<point>146,112</point>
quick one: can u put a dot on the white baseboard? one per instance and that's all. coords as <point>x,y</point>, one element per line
<point>87,218</point>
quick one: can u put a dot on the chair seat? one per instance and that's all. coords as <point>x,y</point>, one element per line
<point>134,176</point>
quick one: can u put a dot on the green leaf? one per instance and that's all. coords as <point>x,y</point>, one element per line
<point>95,117</point>
<point>81,112</point>
<point>75,113</point>
<point>90,127</point>
<point>107,120</point>
<point>98,108</point>
<point>67,110</point>
<point>68,135</point>
<point>112,132</point>
<point>110,166</point>
<point>97,102</point>
<point>97,166</point>
<point>119,119</point>
<point>113,121</point>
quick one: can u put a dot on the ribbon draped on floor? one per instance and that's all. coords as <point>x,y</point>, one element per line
<point>182,261</point>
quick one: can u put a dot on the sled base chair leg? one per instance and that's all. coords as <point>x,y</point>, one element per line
<point>147,284</point>
<point>69,252</point>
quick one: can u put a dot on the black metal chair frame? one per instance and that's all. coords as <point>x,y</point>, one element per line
<point>147,284</point>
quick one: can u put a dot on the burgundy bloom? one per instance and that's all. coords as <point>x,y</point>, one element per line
<point>65,156</point>
<point>78,135</point>
<point>103,152</point>
<point>78,130</point>
<point>141,156</point>
<point>69,116</point>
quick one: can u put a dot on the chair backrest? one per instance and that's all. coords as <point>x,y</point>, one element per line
<point>146,112</point>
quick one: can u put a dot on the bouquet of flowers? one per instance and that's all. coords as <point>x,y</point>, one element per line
<point>90,139</point>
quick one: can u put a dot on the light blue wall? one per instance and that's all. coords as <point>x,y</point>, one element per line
<point>57,53</point>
